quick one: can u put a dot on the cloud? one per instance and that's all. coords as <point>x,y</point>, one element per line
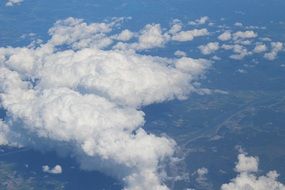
<point>55,170</point>
<point>179,53</point>
<point>189,35</point>
<point>259,48</point>
<point>176,27</point>
<point>10,3</point>
<point>209,48</point>
<point>247,163</point>
<point>78,34</point>
<point>244,34</point>
<point>276,47</point>
<point>238,24</point>
<point>247,167</point>
<point>153,36</point>
<point>3,133</point>
<point>239,51</point>
<point>201,175</point>
<point>125,35</point>
<point>78,95</point>
<point>200,21</point>
<point>225,36</point>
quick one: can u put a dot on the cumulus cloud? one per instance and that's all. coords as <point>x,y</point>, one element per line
<point>247,178</point>
<point>10,3</point>
<point>201,180</point>
<point>276,47</point>
<point>153,36</point>
<point>201,175</point>
<point>176,27</point>
<point>199,21</point>
<point>259,48</point>
<point>189,35</point>
<point>209,48</point>
<point>125,35</point>
<point>239,51</point>
<point>72,93</point>
<point>55,170</point>
<point>78,34</point>
<point>246,163</point>
<point>227,35</point>
<point>179,53</point>
<point>244,34</point>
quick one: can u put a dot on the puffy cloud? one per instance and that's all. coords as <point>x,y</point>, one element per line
<point>276,47</point>
<point>189,35</point>
<point>246,163</point>
<point>200,176</point>
<point>259,48</point>
<point>239,51</point>
<point>247,178</point>
<point>78,34</point>
<point>55,170</point>
<point>225,36</point>
<point>200,21</point>
<point>209,48</point>
<point>176,27</point>
<point>151,36</point>
<point>10,3</point>
<point>125,35</point>
<point>72,94</point>
<point>244,34</point>
<point>179,53</point>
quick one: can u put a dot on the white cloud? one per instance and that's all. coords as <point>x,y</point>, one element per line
<point>87,101</point>
<point>201,179</point>
<point>202,171</point>
<point>246,163</point>
<point>225,36</point>
<point>238,24</point>
<point>10,3</point>
<point>239,51</point>
<point>78,34</point>
<point>55,170</point>
<point>179,53</point>
<point>209,48</point>
<point>4,130</point>
<point>266,39</point>
<point>259,48</point>
<point>189,35</point>
<point>125,35</point>
<point>200,21</point>
<point>247,178</point>
<point>151,36</point>
<point>276,47</point>
<point>244,34</point>
<point>176,27</point>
